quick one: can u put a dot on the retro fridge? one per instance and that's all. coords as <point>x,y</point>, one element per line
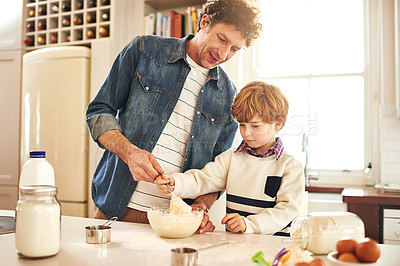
<point>55,95</point>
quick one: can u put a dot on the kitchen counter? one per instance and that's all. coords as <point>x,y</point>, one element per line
<point>138,244</point>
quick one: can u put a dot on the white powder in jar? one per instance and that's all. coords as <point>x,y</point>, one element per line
<point>319,232</point>
<point>37,229</point>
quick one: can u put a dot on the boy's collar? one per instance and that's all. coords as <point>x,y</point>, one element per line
<point>276,149</point>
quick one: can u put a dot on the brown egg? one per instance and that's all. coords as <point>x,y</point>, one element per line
<point>302,263</point>
<point>348,257</point>
<point>317,262</point>
<point>368,251</point>
<point>346,246</point>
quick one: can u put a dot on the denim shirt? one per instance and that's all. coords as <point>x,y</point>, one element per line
<point>138,97</point>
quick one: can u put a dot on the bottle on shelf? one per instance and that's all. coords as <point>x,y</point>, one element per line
<point>78,36</point>
<point>54,8</point>
<point>105,2</point>
<point>103,31</point>
<point>68,37</point>
<point>42,10</point>
<point>42,25</point>
<point>53,38</point>
<point>105,15</point>
<point>79,4</point>
<point>30,26</point>
<point>29,41</point>
<point>37,170</point>
<point>91,18</point>
<point>66,22</point>
<point>92,3</point>
<point>41,40</point>
<point>90,34</point>
<point>31,13</point>
<point>66,6</point>
<point>77,20</point>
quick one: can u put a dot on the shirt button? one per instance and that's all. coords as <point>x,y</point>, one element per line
<point>147,88</point>
<point>212,119</point>
<point>173,98</point>
<point>202,91</point>
<point>162,120</point>
<point>192,136</point>
<point>198,112</point>
<point>151,142</point>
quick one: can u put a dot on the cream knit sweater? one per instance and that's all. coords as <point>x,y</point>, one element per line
<point>268,192</point>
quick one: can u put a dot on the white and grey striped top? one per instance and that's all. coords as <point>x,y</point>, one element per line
<point>171,147</point>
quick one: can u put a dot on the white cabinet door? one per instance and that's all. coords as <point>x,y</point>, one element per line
<point>11,24</point>
<point>10,80</point>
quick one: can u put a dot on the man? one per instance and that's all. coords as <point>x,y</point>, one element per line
<point>165,107</point>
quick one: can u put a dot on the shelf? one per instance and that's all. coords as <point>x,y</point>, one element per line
<point>66,22</point>
<point>166,4</point>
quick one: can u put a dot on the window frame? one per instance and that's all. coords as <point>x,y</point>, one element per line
<point>248,70</point>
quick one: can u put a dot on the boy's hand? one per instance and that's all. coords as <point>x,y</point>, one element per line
<point>234,223</point>
<point>162,181</point>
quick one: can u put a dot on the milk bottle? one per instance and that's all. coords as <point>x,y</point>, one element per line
<point>37,170</point>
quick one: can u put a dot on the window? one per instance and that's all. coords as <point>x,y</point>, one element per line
<point>314,51</point>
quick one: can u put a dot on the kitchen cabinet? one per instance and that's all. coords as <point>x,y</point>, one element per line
<point>368,203</point>
<point>10,76</point>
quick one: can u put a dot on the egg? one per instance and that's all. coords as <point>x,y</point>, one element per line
<point>368,251</point>
<point>346,246</point>
<point>317,262</point>
<point>348,257</point>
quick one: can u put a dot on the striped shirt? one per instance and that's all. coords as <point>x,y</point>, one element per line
<point>171,146</point>
<point>277,149</point>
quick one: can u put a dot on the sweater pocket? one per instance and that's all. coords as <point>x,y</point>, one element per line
<point>272,185</point>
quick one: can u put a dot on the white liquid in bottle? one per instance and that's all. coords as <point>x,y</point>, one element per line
<point>38,221</point>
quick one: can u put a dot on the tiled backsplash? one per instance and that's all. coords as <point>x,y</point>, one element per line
<point>389,145</point>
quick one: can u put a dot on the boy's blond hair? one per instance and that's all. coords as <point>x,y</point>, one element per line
<point>258,97</point>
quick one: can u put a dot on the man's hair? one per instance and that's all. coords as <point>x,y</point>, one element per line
<point>243,14</point>
<point>258,97</point>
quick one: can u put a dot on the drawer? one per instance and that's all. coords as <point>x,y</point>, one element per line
<point>391,213</point>
<point>391,229</point>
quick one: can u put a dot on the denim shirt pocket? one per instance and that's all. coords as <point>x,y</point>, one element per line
<point>212,124</point>
<point>144,95</point>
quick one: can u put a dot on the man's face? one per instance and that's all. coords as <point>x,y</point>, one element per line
<point>215,45</point>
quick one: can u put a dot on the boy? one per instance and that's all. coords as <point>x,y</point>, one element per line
<point>264,185</point>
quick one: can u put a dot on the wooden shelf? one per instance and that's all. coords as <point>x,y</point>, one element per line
<point>65,27</point>
<point>167,4</point>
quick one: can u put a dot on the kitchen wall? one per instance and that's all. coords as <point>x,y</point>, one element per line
<point>389,125</point>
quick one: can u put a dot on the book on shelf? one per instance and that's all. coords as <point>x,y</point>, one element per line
<point>175,24</point>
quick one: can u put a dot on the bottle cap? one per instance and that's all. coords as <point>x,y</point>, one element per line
<point>37,154</point>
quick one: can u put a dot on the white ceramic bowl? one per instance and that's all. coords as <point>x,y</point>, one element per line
<point>333,256</point>
<point>174,225</point>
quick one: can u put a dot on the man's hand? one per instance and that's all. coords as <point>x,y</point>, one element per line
<point>142,164</point>
<point>234,223</point>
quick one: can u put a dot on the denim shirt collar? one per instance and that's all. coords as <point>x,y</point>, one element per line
<point>180,52</point>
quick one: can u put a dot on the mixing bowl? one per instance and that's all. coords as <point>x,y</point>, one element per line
<point>174,225</point>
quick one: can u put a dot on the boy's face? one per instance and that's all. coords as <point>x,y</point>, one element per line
<point>260,136</point>
<point>216,44</point>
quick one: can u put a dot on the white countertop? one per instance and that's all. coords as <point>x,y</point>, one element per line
<point>138,244</point>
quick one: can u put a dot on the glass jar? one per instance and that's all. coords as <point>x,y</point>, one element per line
<point>38,221</point>
<point>319,232</point>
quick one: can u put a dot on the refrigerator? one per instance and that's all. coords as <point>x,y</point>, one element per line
<point>54,98</point>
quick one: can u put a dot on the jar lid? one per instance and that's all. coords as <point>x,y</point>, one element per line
<point>38,189</point>
<point>37,154</point>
